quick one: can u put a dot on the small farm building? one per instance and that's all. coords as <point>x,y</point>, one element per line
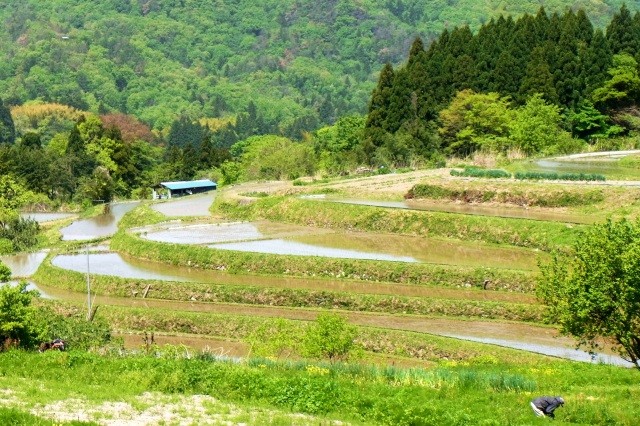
<point>179,189</point>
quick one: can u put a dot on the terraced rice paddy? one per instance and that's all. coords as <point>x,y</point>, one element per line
<point>471,298</point>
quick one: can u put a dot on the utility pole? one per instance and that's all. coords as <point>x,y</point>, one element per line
<point>88,288</point>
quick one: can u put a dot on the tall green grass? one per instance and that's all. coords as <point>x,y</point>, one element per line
<point>18,417</point>
<point>448,395</point>
<point>587,177</point>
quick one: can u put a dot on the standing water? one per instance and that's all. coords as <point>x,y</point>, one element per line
<point>100,226</point>
<point>23,265</point>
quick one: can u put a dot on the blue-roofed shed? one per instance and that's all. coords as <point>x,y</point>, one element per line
<point>188,187</point>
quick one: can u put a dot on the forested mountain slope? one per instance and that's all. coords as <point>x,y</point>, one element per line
<point>301,62</point>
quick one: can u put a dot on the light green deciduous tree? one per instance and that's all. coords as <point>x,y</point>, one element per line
<point>593,293</point>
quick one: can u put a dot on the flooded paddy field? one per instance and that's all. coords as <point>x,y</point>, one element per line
<point>468,208</point>
<point>192,205</point>
<point>528,337</point>
<point>262,237</point>
<point>115,264</point>
<point>102,225</point>
<point>282,238</point>
<point>23,265</point>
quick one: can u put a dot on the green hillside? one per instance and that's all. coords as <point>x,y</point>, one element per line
<point>301,62</point>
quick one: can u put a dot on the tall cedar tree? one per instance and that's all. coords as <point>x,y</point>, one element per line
<point>622,33</point>
<point>379,106</point>
<point>559,56</point>
<point>7,128</point>
<point>538,78</point>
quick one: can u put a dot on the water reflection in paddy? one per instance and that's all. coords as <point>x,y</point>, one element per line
<point>295,240</point>
<point>113,264</point>
<point>30,287</point>
<point>100,226</point>
<point>559,352</point>
<point>432,250</point>
<point>46,217</point>
<point>280,246</point>
<point>192,205</point>
<point>205,233</point>
<point>23,264</point>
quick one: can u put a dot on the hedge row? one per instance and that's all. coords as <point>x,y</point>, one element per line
<point>550,198</point>
<point>481,173</point>
<point>589,177</point>
<point>497,174</point>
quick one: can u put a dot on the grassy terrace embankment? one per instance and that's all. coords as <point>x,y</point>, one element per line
<point>517,232</point>
<point>291,297</point>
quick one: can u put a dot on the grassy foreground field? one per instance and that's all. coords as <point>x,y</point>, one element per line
<point>402,375</point>
<point>165,388</point>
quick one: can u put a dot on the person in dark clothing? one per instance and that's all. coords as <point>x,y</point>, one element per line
<point>545,405</point>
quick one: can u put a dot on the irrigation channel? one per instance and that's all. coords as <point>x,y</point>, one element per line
<point>286,239</point>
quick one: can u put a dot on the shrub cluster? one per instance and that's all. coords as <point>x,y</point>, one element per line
<point>481,173</point>
<point>557,198</point>
<point>589,177</point>
<point>496,174</point>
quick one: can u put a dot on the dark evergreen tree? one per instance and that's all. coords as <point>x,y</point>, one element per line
<point>7,127</point>
<point>184,131</point>
<point>538,78</point>
<point>417,49</point>
<point>327,111</point>
<point>596,60</point>
<point>463,74</point>
<point>189,162</point>
<point>402,103</point>
<point>420,77</point>
<point>566,69</point>
<point>584,30</point>
<point>380,104</point>
<point>503,79</point>
<point>621,33</point>
<point>542,24</point>
<point>75,144</point>
<point>32,166</point>
<point>31,140</point>
<point>487,53</point>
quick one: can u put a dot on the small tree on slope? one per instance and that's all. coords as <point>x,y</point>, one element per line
<point>593,292</point>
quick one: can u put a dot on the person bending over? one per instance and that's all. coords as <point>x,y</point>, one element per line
<point>546,405</point>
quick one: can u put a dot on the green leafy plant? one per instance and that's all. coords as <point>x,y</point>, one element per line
<point>593,292</point>
<point>17,316</point>
<point>330,337</point>
<point>5,272</point>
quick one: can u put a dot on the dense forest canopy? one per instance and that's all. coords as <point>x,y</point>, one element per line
<point>103,101</point>
<point>301,62</point>
<point>544,75</point>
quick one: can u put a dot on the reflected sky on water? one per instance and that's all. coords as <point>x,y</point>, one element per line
<point>102,225</point>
